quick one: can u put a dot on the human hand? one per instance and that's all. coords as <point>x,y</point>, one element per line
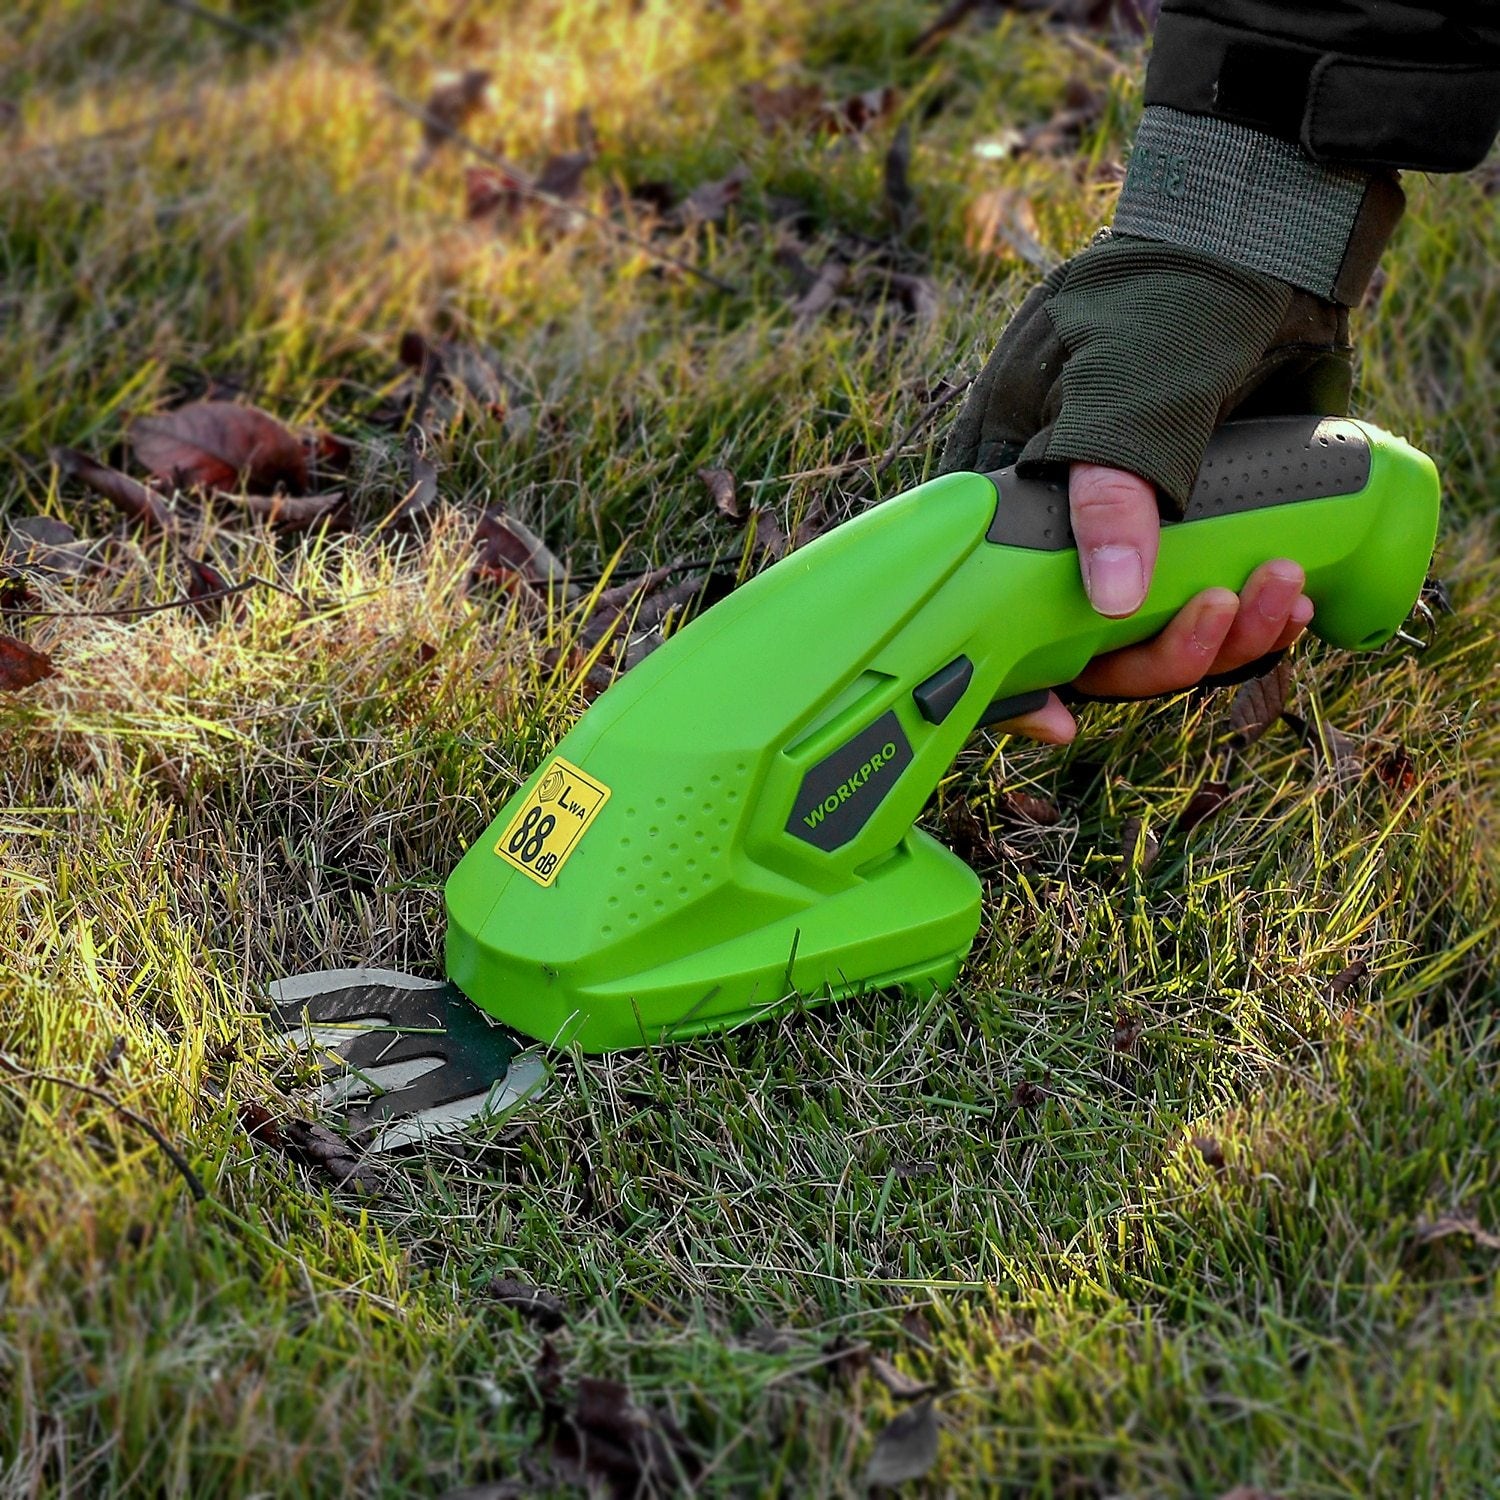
<point>1117,529</point>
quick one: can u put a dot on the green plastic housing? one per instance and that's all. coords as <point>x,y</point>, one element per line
<point>695,899</point>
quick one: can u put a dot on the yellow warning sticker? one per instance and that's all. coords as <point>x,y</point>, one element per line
<point>548,825</point>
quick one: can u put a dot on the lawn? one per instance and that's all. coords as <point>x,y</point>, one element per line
<point>1189,1188</point>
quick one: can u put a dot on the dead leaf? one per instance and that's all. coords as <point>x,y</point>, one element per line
<point>902,1386</point>
<point>823,293</point>
<point>1258,704</point>
<point>768,538</point>
<point>328,452</point>
<point>607,1437</point>
<point>1003,221</point>
<point>855,115</point>
<point>260,1124</point>
<point>1446,1226</point>
<point>709,202</point>
<point>1127,1033</point>
<point>791,104</point>
<point>1331,747</point>
<point>915,293</point>
<point>449,107</point>
<point>906,1448</point>
<point>1205,803</point>
<point>1028,1095</point>
<point>612,603</point>
<point>220,445</point>
<point>489,190</point>
<point>656,615</point>
<point>536,1306</point>
<point>1023,807</point>
<point>421,484</point>
<point>138,501</point>
<point>721,488</point>
<point>45,544</point>
<point>1396,769</point>
<point>900,201</point>
<point>1139,846</point>
<point>1346,979</point>
<point>967,836</point>
<point>320,1150</point>
<point>1210,1150</point>
<point>298,512</point>
<point>204,583</point>
<point>509,551</point>
<point>21,665</point>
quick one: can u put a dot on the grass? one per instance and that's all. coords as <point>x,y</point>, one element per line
<point>1144,1195</point>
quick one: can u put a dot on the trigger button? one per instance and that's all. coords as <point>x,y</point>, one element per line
<point>938,695</point>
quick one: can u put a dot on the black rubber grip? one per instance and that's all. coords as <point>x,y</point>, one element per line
<point>1247,466</point>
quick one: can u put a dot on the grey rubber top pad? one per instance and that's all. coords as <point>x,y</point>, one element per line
<point>1247,466</point>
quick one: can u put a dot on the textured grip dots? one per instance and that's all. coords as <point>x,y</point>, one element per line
<point>1246,466</point>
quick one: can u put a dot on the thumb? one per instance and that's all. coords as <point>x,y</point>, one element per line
<point>1117,529</point>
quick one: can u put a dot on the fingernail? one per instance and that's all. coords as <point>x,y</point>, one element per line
<point>1212,622</point>
<point>1116,580</point>
<point>1279,593</point>
<point>1302,611</point>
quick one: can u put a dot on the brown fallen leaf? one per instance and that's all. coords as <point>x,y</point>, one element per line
<point>542,1308</point>
<point>1331,747</point>
<point>612,604</point>
<point>47,544</point>
<point>822,294</point>
<point>1346,979</point>
<point>421,485</point>
<point>1024,807</point>
<point>902,1386</point>
<point>138,501</point>
<point>1139,846</point>
<point>449,107</point>
<point>1446,1226</point>
<point>260,1124</point>
<point>220,445</point>
<point>968,837</point>
<point>1396,769</point>
<point>298,512</point>
<point>1127,1033</point>
<point>607,1437</point>
<point>205,582</point>
<point>915,293</point>
<point>1210,1150</point>
<point>21,665</point>
<point>906,1448</point>
<point>1205,803</point>
<point>1259,703</point>
<point>562,174</point>
<point>657,613</point>
<point>319,1149</point>
<point>510,552</point>
<point>791,104</point>
<point>1002,221</point>
<point>709,202</point>
<point>1028,1095</point>
<point>768,538</point>
<point>721,488</point>
<point>855,115</point>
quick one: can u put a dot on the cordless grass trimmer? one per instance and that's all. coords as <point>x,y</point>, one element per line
<point>730,825</point>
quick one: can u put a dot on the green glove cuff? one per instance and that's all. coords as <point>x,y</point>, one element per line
<point>1257,201</point>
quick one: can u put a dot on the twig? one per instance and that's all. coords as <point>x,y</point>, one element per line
<point>178,1160</point>
<point>522,181</point>
<point>135,610</point>
<point>917,423</point>
<point>824,472</point>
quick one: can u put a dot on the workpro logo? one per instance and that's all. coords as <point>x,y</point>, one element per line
<point>840,794</point>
